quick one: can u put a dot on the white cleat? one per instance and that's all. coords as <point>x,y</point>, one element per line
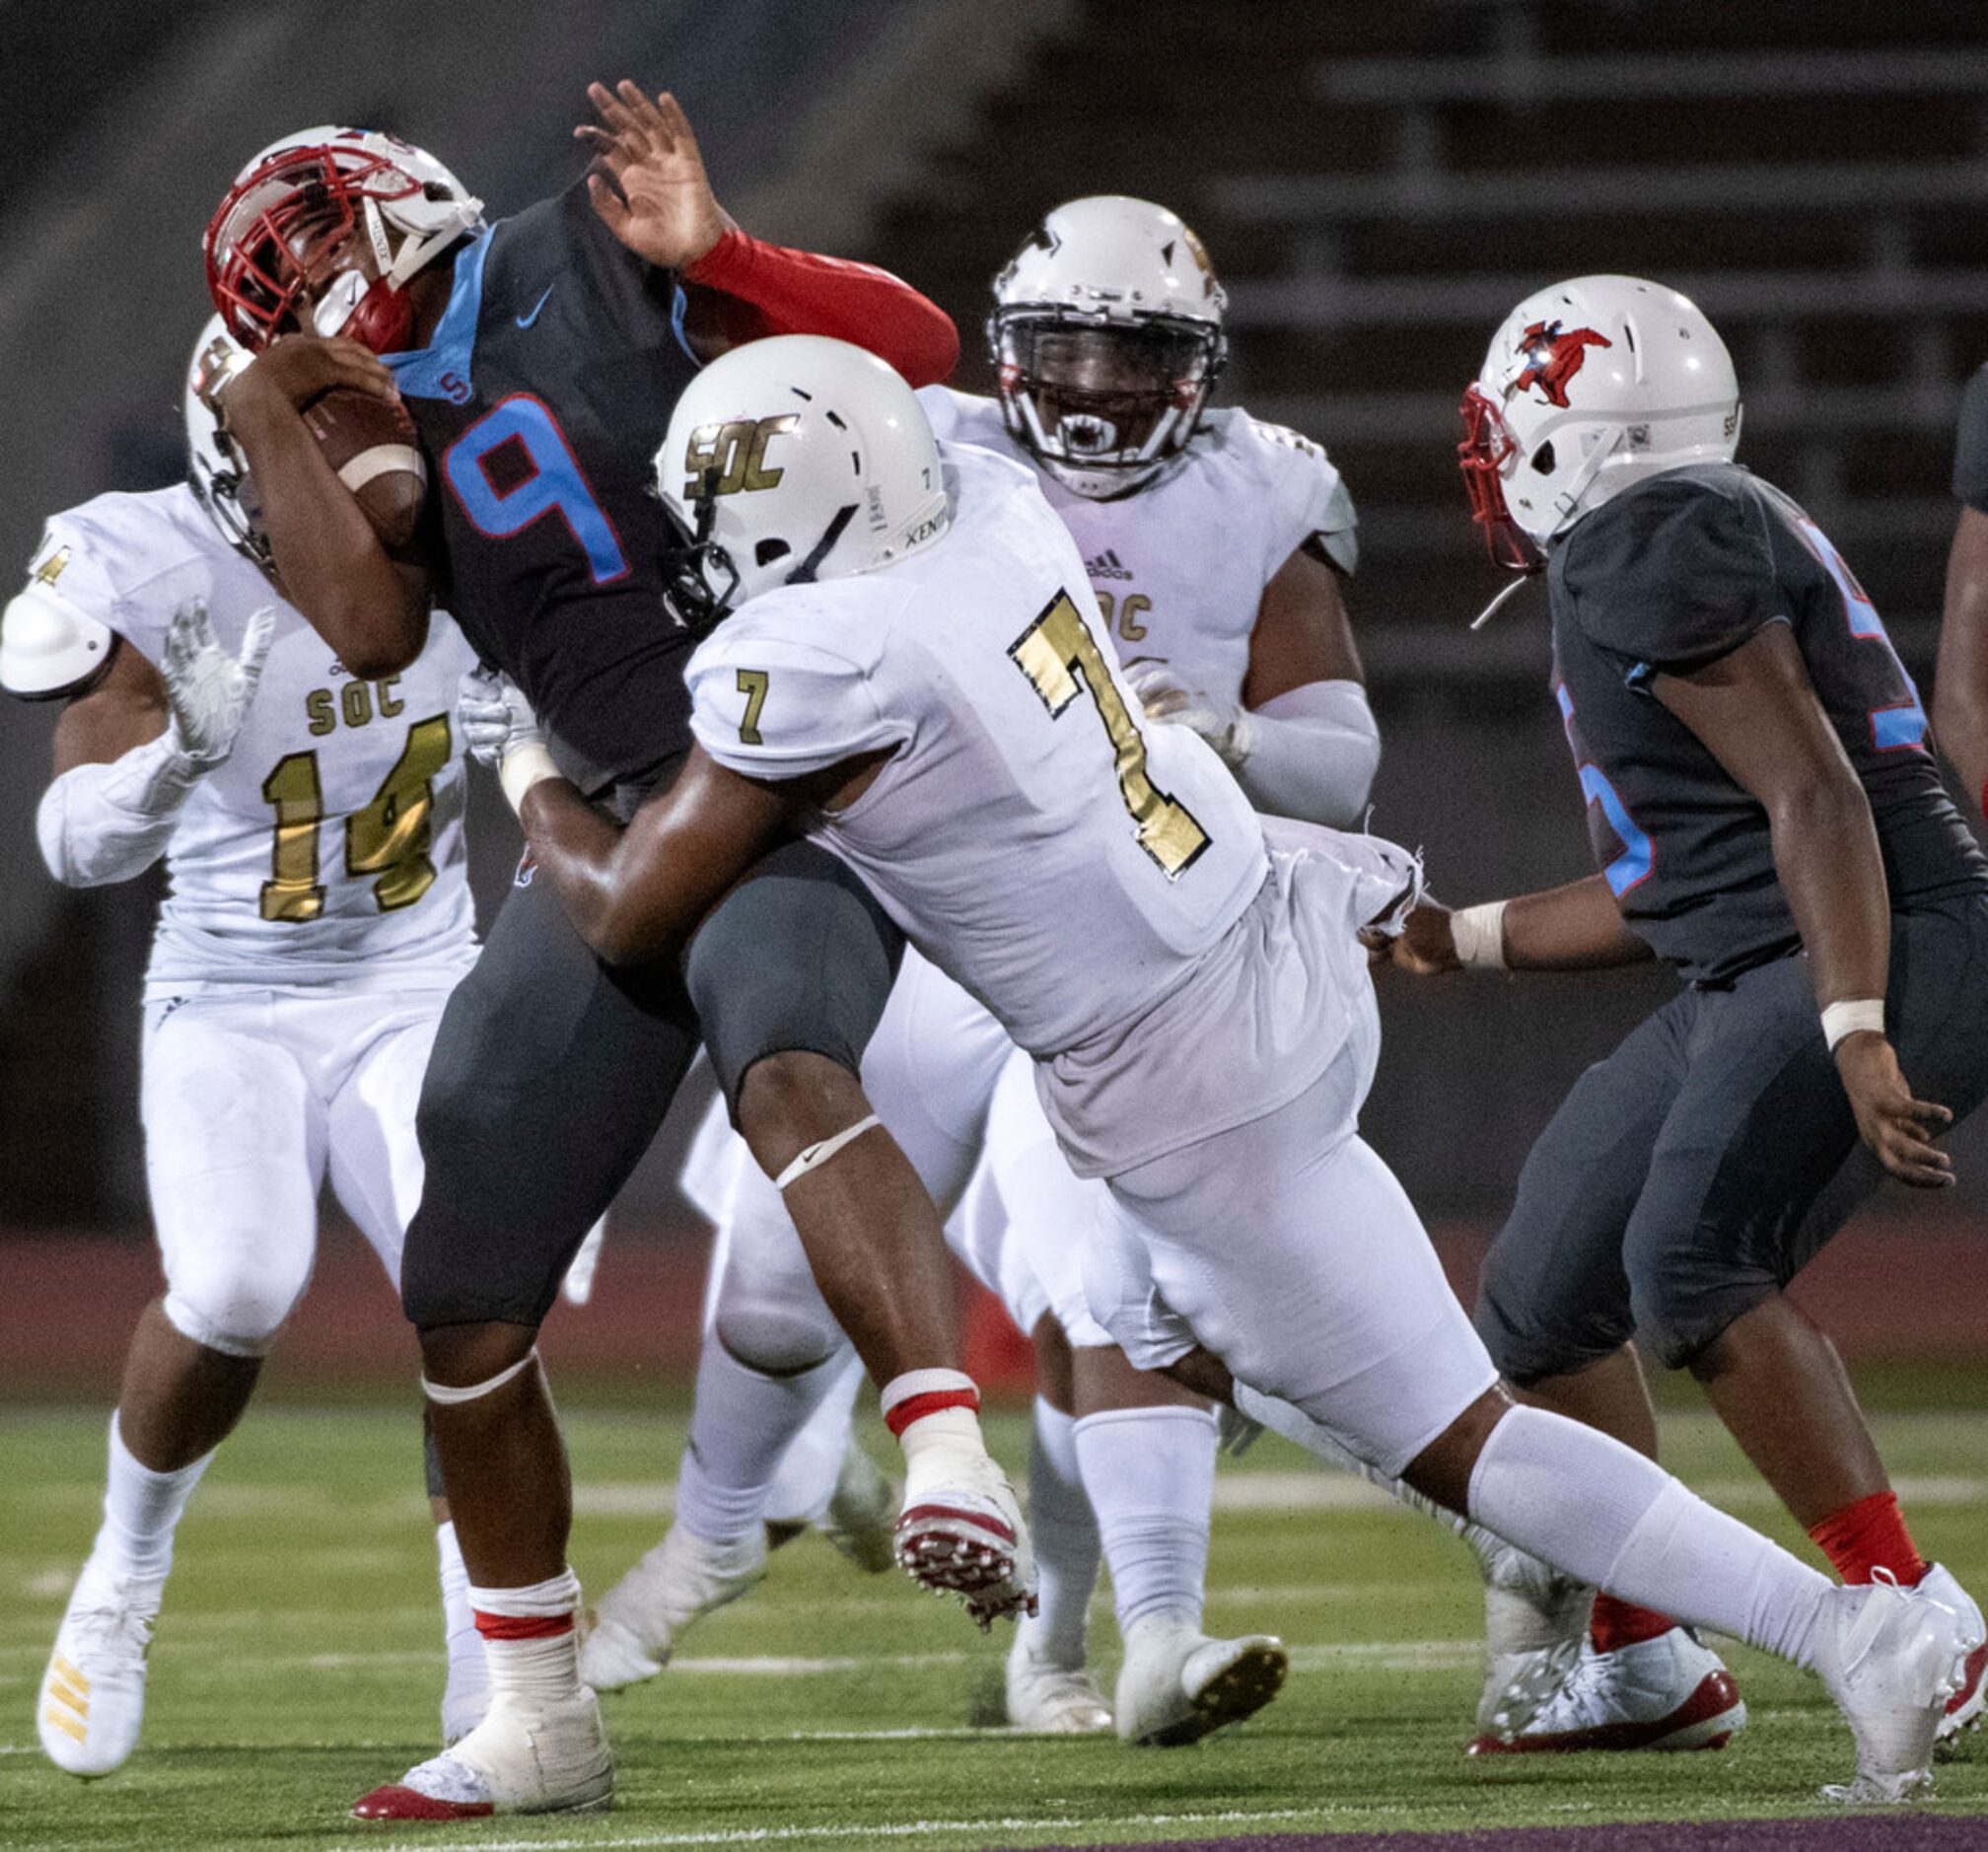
<point>639,1621</point>
<point>545,1758</point>
<point>92,1694</point>
<point>1891,1658</point>
<point>1176,1684</point>
<point>1672,1692</point>
<point>962,1534</point>
<point>1964,1707</point>
<point>1534,1615</point>
<point>1051,1699</point>
<point>862,1513</point>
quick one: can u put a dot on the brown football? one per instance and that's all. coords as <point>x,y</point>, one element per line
<point>373,446</point>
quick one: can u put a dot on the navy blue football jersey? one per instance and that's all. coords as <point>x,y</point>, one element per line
<point>1970,445</point>
<point>541,400</point>
<point>1670,576</point>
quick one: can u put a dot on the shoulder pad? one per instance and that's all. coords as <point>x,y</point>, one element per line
<point>47,647</point>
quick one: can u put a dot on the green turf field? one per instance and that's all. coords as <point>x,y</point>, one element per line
<point>298,1664</point>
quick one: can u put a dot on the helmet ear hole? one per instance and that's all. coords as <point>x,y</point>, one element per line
<point>768,550</point>
<point>1543,459</point>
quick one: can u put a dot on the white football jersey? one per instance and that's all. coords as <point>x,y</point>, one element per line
<point>1180,568</point>
<point>329,847</point>
<point>1094,883</point>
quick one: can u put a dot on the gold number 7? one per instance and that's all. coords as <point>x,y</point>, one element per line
<point>1059,655</point>
<point>752,685</point>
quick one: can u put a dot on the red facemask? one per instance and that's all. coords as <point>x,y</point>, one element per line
<point>1487,446</point>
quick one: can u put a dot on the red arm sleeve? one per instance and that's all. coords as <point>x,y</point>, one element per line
<point>772,290</point>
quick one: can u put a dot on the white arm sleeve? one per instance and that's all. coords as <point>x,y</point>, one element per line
<point>100,823</point>
<point>1313,753</point>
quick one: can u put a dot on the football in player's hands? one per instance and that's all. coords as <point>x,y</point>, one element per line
<point>373,446</point>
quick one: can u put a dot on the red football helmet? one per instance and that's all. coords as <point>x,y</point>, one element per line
<point>283,234</point>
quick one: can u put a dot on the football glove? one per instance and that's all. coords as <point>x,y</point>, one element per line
<point>207,689</point>
<point>1224,725</point>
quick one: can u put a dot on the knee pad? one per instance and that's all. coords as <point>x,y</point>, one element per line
<point>779,1326</point>
<point>799,958</point>
<point>239,1315</point>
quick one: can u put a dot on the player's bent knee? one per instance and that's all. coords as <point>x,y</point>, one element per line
<point>237,1316</point>
<point>778,1340</point>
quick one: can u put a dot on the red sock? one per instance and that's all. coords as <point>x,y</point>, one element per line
<point>1865,1534</point>
<point>1622,1623</point>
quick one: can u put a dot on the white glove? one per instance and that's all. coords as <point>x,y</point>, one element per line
<point>208,690</point>
<point>1225,727</point>
<point>494,717</point>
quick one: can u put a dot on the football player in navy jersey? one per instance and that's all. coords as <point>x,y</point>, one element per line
<point>539,359</point>
<point>1769,821</point>
<point>1960,684</point>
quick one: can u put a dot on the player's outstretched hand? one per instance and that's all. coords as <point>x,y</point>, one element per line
<point>648,182</point>
<point>1424,945</point>
<point>1897,1127</point>
<point>207,689</point>
<point>302,367</point>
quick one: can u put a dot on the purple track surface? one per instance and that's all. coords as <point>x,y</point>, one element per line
<point>1863,1832</point>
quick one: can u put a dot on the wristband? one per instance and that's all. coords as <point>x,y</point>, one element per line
<point>1849,1017</point>
<point>1478,934</point>
<point>525,767</point>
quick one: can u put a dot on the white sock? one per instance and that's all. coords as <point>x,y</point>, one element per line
<point>1065,1532</point>
<point>459,1619</point>
<point>141,1511</point>
<point>1600,1511</point>
<point>741,1426</point>
<point>1150,1473</point>
<point>1295,1425</point>
<point>529,1638</point>
<point>936,1417</point>
<point>805,1480</point>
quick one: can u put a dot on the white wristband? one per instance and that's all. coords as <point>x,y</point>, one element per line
<point>1478,934</point>
<point>525,767</point>
<point>1847,1019</point>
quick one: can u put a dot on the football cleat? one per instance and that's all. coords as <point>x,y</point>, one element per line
<point>1533,1614</point>
<point>1052,1699</point>
<point>93,1694</point>
<point>635,1628</point>
<point>1672,1692</point>
<point>1892,1659</point>
<point>861,1512</point>
<point>964,1535</point>
<point>523,1757</point>
<point>1176,1684</point>
<point>1964,1707</point>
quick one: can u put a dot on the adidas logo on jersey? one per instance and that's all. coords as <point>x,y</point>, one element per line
<point>1106,566</point>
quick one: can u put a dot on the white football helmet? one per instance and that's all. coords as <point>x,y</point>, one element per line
<point>215,466</point>
<point>297,201</point>
<point>790,460</point>
<point>1107,339</point>
<point>1589,385</point>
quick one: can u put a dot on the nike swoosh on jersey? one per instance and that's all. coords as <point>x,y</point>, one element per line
<point>524,322</point>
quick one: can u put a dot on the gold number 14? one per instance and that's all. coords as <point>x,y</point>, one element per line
<point>390,838</point>
<point>1054,653</point>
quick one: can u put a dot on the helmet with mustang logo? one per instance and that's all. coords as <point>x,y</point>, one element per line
<point>281,250</point>
<point>1107,339</point>
<point>1589,387</point>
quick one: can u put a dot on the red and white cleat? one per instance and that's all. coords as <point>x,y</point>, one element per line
<point>1964,1707</point>
<point>1667,1694</point>
<point>968,1540</point>
<point>521,1758</point>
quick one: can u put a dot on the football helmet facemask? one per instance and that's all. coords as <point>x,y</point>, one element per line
<point>279,248</point>
<point>1107,340</point>
<point>215,466</point>
<point>756,473</point>
<point>1589,387</point>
